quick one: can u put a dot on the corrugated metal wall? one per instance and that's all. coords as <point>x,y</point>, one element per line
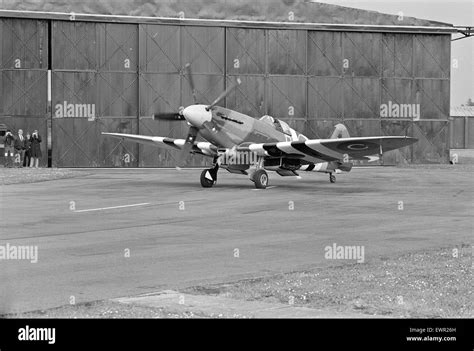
<point>94,64</point>
<point>23,77</point>
<point>312,79</point>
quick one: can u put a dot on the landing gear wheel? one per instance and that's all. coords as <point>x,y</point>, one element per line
<point>332,178</point>
<point>205,181</point>
<point>260,178</point>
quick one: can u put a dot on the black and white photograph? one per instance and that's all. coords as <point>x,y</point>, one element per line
<point>235,160</point>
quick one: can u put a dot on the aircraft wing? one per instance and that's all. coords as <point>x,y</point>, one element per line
<point>204,148</point>
<point>330,149</point>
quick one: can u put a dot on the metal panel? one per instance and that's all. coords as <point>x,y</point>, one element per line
<point>433,97</point>
<point>286,96</point>
<point>159,93</point>
<point>203,48</point>
<point>23,44</point>
<point>74,143</point>
<point>398,91</point>
<point>120,49</point>
<point>78,143</point>
<point>324,53</point>
<point>363,54</point>
<point>29,124</point>
<point>325,95</point>
<point>117,94</point>
<point>397,128</point>
<point>361,97</point>
<point>433,142</point>
<point>76,45</point>
<point>470,133</point>
<point>397,55</point>
<point>73,88</point>
<point>287,52</point>
<point>23,93</point>
<point>458,133</point>
<point>160,49</point>
<point>431,56</point>
<point>249,97</point>
<point>245,51</point>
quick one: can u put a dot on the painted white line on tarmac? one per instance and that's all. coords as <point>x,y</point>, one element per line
<point>113,207</point>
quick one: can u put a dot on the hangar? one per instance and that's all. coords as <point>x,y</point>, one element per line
<point>73,76</point>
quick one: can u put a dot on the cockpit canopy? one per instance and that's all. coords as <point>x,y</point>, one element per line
<point>277,124</point>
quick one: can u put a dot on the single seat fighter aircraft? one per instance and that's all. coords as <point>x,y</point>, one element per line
<point>245,145</point>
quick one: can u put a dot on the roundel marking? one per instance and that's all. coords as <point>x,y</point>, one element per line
<point>358,146</point>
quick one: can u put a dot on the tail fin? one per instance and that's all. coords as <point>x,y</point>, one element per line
<point>340,131</point>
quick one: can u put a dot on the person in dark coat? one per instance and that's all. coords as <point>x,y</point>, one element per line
<point>27,159</point>
<point>35,149</point>
<point>20,148</point>
<point>9,144</point>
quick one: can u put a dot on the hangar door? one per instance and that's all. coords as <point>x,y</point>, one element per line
<point>23,78</point>
<point>94,89</point>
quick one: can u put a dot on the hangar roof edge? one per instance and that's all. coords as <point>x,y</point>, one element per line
<point>82,17</point>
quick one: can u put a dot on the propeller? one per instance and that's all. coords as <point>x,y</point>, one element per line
<point>224,94</point>
<point>188,145</point>
<point>191,82</point>
<point>196,116</point>
<point>169,116</point>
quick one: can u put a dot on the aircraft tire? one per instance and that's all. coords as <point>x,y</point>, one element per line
<point>260,179</point>
<point>205,182</point>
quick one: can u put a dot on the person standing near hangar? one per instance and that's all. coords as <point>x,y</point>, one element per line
<point>35,149</point>
<point>9,142</point>
<point>20,148</point>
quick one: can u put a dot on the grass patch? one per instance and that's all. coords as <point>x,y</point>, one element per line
<point>105,309</point>
<point>34,175</point>
<point>418,285</point>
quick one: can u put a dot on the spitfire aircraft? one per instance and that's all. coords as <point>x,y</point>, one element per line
<point>242,144</point>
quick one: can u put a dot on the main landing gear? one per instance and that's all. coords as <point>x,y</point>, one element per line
<point>332,178</point>
<point>260,178</point>
<point>258,175</point>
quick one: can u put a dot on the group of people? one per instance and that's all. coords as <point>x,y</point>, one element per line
<point>22,151</point>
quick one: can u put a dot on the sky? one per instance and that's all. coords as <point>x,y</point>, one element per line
<point>457,12</point>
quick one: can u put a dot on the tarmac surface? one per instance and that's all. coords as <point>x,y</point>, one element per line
<point>124,232</point>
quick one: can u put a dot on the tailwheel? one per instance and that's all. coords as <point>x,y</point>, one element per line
<point>207,181</point>
<point>332,178</point>
<point>260,178</point>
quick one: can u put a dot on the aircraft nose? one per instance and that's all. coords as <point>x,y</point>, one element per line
<point>197,115</point>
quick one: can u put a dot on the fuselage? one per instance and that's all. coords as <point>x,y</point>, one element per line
<point>231,128</point>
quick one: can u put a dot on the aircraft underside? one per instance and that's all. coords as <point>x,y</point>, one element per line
<point>257,172</point>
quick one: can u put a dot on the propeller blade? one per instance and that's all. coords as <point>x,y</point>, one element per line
<point>224,94</point>
<point>168,116</point>
<point>188,145</point>
<point>191,81</point>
